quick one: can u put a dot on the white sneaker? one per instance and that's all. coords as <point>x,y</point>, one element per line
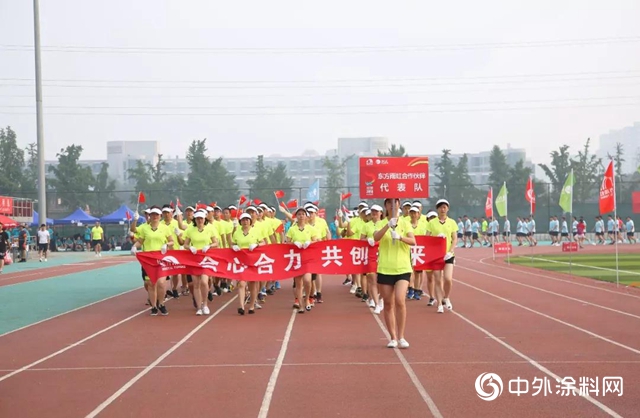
<point>353,289</point>
<point>372,304</point>
<point>206,310</point>
<point>403,343</point>
<point>45,260</point>
<point>440,309</point>
<point>447,303</point>
<point>392,344</point>
<point>377,310</point>
<point>199,312</point>
<point>258,306</point>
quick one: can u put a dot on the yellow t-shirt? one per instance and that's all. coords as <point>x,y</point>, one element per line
<point>226,229</point>
<point>136,234</point>
<point>420,229</point>
<point>275,224</point>
<point>171,226</point>
<point>322,228</point>
<point>356,225</point>
<point>154,239</point>
<point>244,241</point>
<point>448,228</point>
<point>96,233</point>
<point>371,227</point>
<point>307,234</point>
<point>198,239</point>
<point>394,259</point>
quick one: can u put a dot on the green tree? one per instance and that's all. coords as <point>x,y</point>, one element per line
<point>393,151</point>
<point>445,170</point>
<point>279,180</point>
<point>267,180</point>
<point>558,171</point>
<point>498,169</point>
<point>463,192</point>
<point>11,163</point>
<point>73,183</point>
<point>260,183</point>
<point>335,182</point>
<point>587,169</point>
<point>208,180</point>
<point>618,160</point>
<point>29,186</point>
<point>105,199</point>
<point>140,174</point>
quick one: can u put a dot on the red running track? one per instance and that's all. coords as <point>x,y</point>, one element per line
<point>333,360</point>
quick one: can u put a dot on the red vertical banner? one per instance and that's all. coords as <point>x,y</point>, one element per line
<point>531,196</point>
<point>607,191</point>
<point>395,177</point>
<point>488,206</point>
<point>6,205</point>
<point>635,202</point>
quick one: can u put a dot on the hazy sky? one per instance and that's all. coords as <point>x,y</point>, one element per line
<point>463,75</point>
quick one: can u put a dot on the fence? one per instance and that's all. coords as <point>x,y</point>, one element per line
<point>464,200</point>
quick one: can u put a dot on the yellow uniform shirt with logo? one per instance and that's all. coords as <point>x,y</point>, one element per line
<point>394,259</point>
<point>171,226</point>
<point>420,229</point>
<point>307,234</point>
<point>139,228</point>
<point>219,229</point>
<point>447,228</point>
<point>264,229</point>
<point>97,233</point>
<point>154,239</point>
<point>322,227</point>
<point>214,231</point>
<point>244,241</point>
<point>199,239</point>
<point>371,227</point>
<point>356,226</point>
<point>227,229</point>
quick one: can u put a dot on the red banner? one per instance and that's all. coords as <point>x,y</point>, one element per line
<point>488,205</point>
<point>503,248</point>
<point>607,191</point>
<point>6,205</point>
<point>635,202</point>
<point>569,247</point>
<point>284,261</point>
<point>396,177</point>
<point>530,195</point>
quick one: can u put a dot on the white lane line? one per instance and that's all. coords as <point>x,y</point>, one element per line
<point>72,310</point>
<point>635,273</point>
<point>550,292</point>
<point>69,347</point>
<point>62,270</point>
<point>271,386</point>
<point>593,334</point>
<point>412,375</point>
<point>150,367</point>
<point>538,366</point>
<point>555,279</point>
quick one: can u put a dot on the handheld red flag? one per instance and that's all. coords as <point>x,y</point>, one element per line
<point>608,191</point>
<point>279,194</point>
<point>141,198</point>
<point>242,200</point>
<point>345,196</point>
<point>257,201</point>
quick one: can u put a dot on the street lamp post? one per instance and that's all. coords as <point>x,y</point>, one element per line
<point>42,187</point>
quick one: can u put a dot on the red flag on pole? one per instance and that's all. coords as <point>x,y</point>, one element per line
<point>345,196</point>
<point>608,191</point>
<point>488,206</point>
<point>242,200</point>
<point>531,195</point>
<point>279,194</point>
<point>141,198</point>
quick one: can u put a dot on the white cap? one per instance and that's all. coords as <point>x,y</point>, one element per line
<point>367,212</point>
<point>431,214</point>
<point>147,211</point>
<point>365,204</point>
<point>200,214</point>
<point>364,209</point>
<point>312,209</point>
<point>253,208</point>
<point>377,208</point>
<point>245,216</point>
<point>417,203</point>
<point>406,204</point>
<point>233,207</point>
<point>209,209</point>
<point>303,210</point>
<point>442,201</point>
<point>190,208</point>
<point>167,210</point>
<point>414,209</point>
<point>156,211</point>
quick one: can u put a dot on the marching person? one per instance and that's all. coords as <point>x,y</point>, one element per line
<point>445,227</point>
<point>302,235</point>
<point>376,222</point>
<point>394,271</point>
<point>200,238</point>
<point>155,237</point>
<point>247,237</point>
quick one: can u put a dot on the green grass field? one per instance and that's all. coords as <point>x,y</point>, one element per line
<point>594,266</point>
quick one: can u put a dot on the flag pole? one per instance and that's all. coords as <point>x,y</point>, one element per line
<point>491,240</point>
<point>506,215</point>
<point>616,228</point>
<point>573,180</point>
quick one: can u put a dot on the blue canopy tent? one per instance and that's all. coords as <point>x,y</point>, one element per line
<point>119,215</point>
<point>78,216</point>
<point>36,220</point>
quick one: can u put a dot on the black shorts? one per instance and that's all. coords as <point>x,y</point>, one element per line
<point>43,247</point>
<point>95,242</point>
<point>475,235</point>
<point>565,234</point>
<point>314,276</point>
<point>598,234</point>
<point>506,234</point>
<point>392,279</point>
<point>467,234</point>
<point>2,254</point>
<point>450,261</point>
<point>495,234</point>
<point>459,234</point>
<point>144,274</point>
<point>189,278</point>
<point>553,233</point>
<point>630,234</point>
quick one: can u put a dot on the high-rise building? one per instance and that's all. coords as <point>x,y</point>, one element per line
<point>629,138</point>
<point>123,155</point>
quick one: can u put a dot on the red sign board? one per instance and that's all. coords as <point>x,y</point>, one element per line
<point>569,247</point>
<point>395,177</point>
<point>635,202</point>
<point>6,205</point>
<point>503,248</point>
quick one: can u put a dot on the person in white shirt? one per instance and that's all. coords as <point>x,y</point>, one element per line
<point>631,231</point>
<point>43,242</point>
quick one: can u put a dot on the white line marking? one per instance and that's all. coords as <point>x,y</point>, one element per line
<point>150,367</point>
<point>61,273</point>
<point>593,334</point>
<point>416,382</point>
<point>555,279</point>
<point>550,292</point>
<point>271,386</point>
<point>538,366</point>
<point>72,310</point>
<point>635,273</point>
<point>35,363</point>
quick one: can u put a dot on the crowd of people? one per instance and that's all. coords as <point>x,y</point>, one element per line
<point>392,226</point>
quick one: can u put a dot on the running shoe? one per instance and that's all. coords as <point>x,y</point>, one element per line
<point>175,294</point>
<point>154,311</point>
<point>392,344</point>
<point>447,304</point>
<point>206,310</point>
<point>163,310</point>
<point>353,289</point>
<point>410,294</point>
<point>319,297</point>
<point>277,285</point>
<point>432,302</point>
<point>441,309</point>
<point>199,312</point>
<point>403,343</point>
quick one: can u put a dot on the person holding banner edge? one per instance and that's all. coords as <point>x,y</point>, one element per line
<point>247,237</point>
<point>302,235</point>
<point>445,227</point>
<point>394,271</point>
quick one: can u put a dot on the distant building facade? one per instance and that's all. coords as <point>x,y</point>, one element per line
<point>629,137</point>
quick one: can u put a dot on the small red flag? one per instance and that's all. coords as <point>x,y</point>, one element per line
<point>213,204</point>
<point>292,204</point>
<point>531,196</point>
<point>257,201</point>
<point>345,196</point>
<point>141,198</point>
<point>178,203</point>
<point>243,199</point>
<point>280,229</point>
<point>488,206</point>
<point>607,191</point>
<point>201,206</point>
<point>172,205</point>
<point>128,215</point>
<point>279,194</point>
